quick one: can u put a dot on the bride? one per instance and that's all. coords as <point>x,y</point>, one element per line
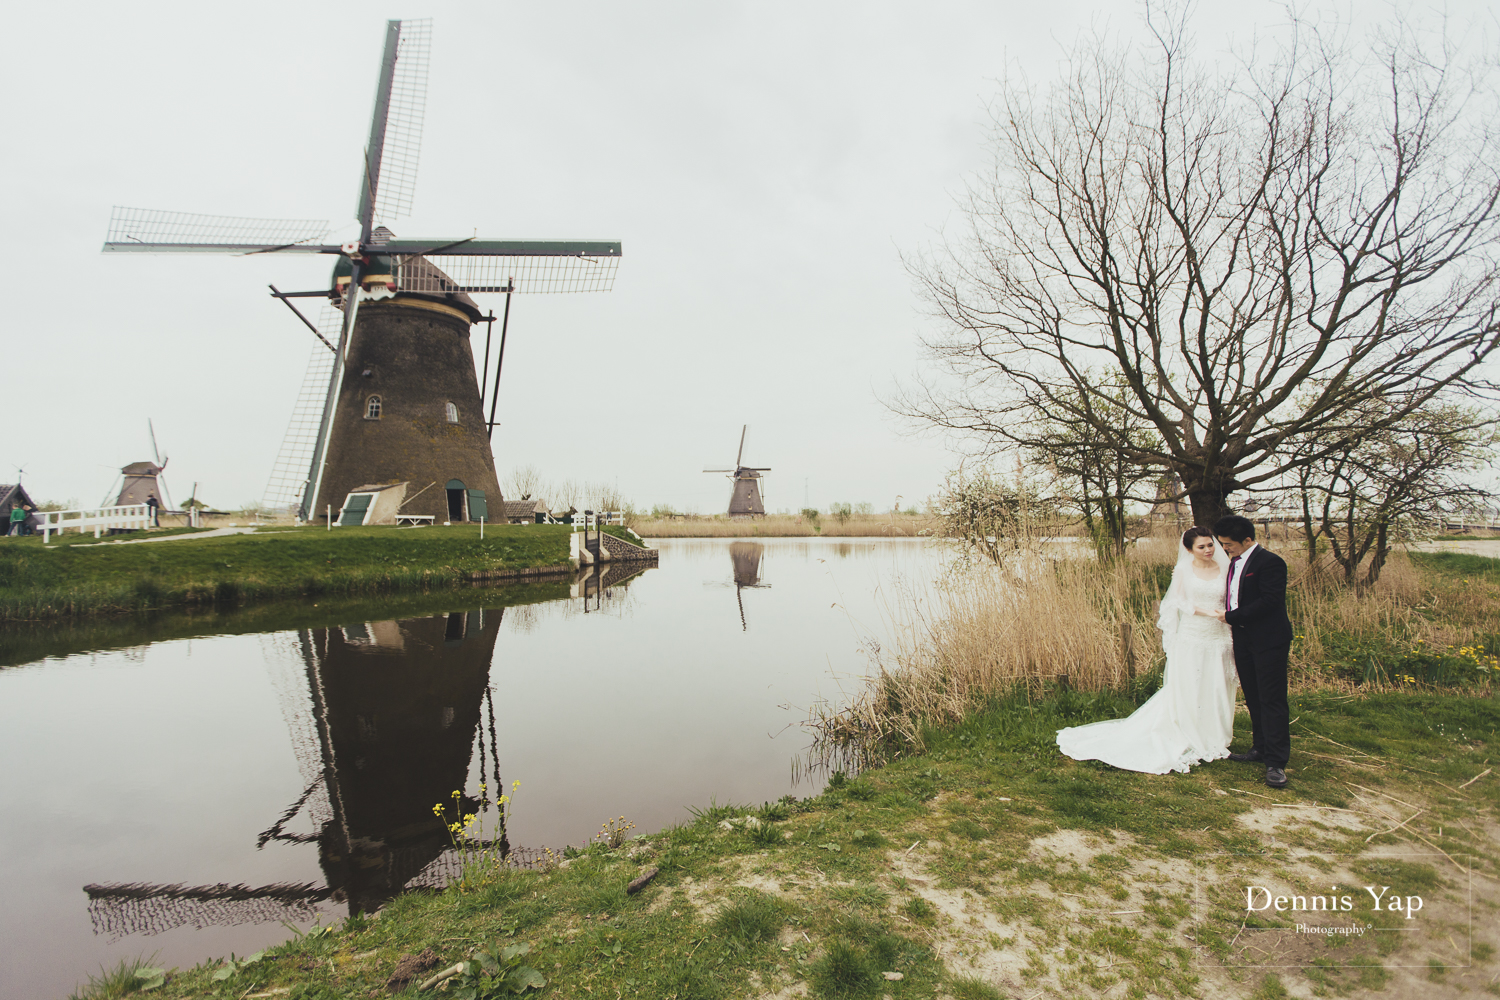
<point>1191,718</point>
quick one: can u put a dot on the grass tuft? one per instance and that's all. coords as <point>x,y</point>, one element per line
<point>845,970</point>
<point>131,975</point>
<point>753,918</point>
<point>973,988</point>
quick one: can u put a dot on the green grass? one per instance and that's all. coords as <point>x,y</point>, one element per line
<point>624,534</point>
<point>82,577</point>
<point>1462,564</point>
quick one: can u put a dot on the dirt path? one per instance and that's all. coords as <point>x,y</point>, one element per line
<point>215,533</point>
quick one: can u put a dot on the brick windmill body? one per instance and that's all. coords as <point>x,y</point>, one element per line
<point>408,414</point>
<point>392,413</point>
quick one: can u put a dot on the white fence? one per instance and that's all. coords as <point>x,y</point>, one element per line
<point>130,517</point>
<point>590,520</point>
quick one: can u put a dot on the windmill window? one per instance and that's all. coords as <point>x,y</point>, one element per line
<point>372,408</point>
<point>451,412</point>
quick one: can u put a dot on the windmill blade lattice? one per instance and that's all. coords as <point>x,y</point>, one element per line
<point>150,230</point>
<point>528,273</point>
<point>397,180</point>
<point>289,473</point>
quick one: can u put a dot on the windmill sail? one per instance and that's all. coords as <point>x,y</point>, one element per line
<point>531,268</point>
<point>405,107</point>
<point>289,474</point>
<point>150,230</point>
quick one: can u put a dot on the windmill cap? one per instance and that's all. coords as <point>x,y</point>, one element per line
<point>417,271</point>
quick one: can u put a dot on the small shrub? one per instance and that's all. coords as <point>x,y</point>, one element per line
<point>862,790</point>
<point>838,779</point>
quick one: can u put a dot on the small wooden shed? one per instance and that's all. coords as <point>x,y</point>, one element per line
<point>525,511</point>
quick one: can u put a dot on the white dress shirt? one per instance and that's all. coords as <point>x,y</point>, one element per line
<point>1234,584</point>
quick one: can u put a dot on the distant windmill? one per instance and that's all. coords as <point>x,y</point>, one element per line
<point>139,480</point>
<point>394,399</point>
<point>745,500</point>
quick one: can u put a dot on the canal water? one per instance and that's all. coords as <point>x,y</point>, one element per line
<point>181,787</point>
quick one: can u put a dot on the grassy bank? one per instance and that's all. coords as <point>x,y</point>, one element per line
<point>76,575</point>
<point>987,867</point>
<point>785,526</point>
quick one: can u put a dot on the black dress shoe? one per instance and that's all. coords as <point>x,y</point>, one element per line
<point>1253,757</point>
<point>1275,777</point>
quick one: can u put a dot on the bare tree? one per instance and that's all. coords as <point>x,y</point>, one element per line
<point>523,483</point>
<point>1421,469</point>
<point>1221,240</point>
<point>1097,466</point>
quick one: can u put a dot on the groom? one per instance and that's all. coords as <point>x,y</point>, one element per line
<point>1255,610</point>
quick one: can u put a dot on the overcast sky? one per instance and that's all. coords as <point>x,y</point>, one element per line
<point>764,164</point>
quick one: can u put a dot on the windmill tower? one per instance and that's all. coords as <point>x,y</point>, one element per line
<point>391,394</point>
<point>745,500</point>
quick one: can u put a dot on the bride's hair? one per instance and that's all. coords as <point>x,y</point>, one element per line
<point>1192,535</point>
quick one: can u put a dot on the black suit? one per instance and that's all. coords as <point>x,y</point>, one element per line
<point>1262,644</point>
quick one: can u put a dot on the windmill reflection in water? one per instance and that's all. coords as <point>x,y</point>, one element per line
<point>746,558</point>
<point>385,720</point>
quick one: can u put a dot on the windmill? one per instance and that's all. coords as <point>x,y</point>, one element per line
<point>139,480</point>
<point>391,394</point>
<point>745,500</point>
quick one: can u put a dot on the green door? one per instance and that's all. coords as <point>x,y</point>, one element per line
<point>354,508</point>
<point>477,506</point>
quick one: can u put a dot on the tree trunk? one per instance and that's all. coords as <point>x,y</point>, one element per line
<point>1208,505</point>
<point>1377,561</point>
<point>1309,533</point>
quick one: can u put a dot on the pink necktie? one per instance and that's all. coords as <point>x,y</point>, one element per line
<point>1229,582</point>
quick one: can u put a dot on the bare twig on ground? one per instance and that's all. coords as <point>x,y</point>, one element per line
<point>448,973</point>
<point>1396,827</point>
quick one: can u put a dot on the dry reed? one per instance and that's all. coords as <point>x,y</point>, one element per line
<point>1053,615</point>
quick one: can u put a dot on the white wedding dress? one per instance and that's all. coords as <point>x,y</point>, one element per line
<point>1191,719</point>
